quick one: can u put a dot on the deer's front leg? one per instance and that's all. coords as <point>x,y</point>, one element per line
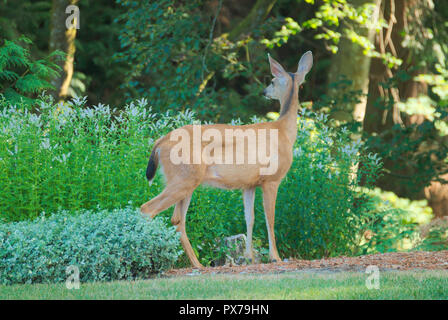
<point>269,197</point>
<point>248,198</point>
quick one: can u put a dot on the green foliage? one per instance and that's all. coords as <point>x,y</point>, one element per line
<point>97,74</point>
<point>213,214</point>
<point>213,76</point>
<point>290,28</point>
<point>21,77</point>
<point>70,157</point>
<point>401,224</point>
<point>436,238</point>
<point>414,211</point>
<point>434,107</point>
<point>337,103</point>
<point>29,18</point>
<point>73,157</point>
<point>386,226</point>
<point>153,35</point>
<point>434,110</point>
<point>105,246</point>
<point>333,20</point>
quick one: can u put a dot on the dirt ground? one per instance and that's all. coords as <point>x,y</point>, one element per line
<point>421,260</point>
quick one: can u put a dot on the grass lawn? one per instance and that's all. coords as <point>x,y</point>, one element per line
<point>294,285</point>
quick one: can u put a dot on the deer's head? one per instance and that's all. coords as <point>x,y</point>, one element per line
<point>283,81</point>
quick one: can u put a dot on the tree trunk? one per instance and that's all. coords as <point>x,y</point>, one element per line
<point>401,14</point>
<point>437,196</point>
<point>351,62</point>
<point>62,39</point>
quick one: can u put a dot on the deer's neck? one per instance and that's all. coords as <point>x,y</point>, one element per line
<point>288,110</point>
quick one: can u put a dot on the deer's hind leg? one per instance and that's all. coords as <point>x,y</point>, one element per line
<point>178,219</point>
<point>172,194</point>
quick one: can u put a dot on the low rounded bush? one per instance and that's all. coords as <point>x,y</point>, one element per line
<point>104,245</point>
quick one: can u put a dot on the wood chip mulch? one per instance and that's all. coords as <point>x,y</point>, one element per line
<point>421,260</point>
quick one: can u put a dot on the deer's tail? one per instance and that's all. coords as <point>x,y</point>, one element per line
<point>153,163</point>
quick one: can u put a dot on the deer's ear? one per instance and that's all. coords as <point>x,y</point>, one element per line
<point>305,64</point>
<point>276,69</point>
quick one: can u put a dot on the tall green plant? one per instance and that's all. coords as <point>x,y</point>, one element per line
<point>71,157</point>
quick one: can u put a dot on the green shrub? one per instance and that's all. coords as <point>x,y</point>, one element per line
<point>435,240</point>
<point>394,223</point>
<point>384,228</point>
<point>68,156</point>
<point>433,236</point>
<point>104,245</point>
<point>414,211</point>
<point>216,77</point>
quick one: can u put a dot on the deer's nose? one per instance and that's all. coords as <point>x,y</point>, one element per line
<point>264,92</point>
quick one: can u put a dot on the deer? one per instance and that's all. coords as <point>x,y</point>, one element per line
<point>183,177</point>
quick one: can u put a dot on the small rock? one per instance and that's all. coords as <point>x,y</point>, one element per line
<point>235,247</point>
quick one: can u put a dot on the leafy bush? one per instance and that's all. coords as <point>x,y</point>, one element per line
<point>414,211</point>
<point>104,245</point>
<point>414,154</point>
<point>435,240</point>
<point>394,223</point>
<point>434,235</point>
<point>21,78</point>
<point>384,228</point>
<point>66,156</point>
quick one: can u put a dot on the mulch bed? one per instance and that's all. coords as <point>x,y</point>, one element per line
<point>421,260</point>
